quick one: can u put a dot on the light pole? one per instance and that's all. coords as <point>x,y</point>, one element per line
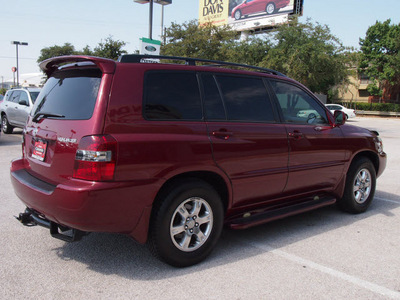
<point>162,2</point>
<point>16,43</point>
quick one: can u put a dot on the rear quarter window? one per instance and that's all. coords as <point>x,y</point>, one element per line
<point>70,93</point>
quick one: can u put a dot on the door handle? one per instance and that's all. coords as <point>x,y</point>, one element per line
<point>297,135</point>
<point>222,134</point>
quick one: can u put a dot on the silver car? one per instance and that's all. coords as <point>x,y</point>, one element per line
<point>16,106</point>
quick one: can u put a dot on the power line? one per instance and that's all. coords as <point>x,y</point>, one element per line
<point>13,57</point>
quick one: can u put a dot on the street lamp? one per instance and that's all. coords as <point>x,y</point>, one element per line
<point>162,2</point>
<point>16,43</point>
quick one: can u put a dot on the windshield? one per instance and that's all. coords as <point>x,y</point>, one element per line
<point>70,93</point>
<point>34,95</point>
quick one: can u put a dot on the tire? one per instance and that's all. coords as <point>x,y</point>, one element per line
<point>270,8</point>
<point>6,127</point>
<point>360,186</point>
<point>238,14</point>
<point>186,223</point>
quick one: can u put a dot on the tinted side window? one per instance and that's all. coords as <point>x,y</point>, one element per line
<point>297,106</point>
<point>34,95</point>
<point>15,96</point>
<point>246,99</point>
<point>24,96</point>
<point>172,96</point>
<point>70,93</point>
<point>214,107</point>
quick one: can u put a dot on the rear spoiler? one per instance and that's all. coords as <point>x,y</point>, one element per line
<point>50,65</point>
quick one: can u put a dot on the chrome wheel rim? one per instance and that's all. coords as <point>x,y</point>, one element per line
<point>191,224</point>
<point>362,186</point>
<point>237,15</point>
<point>270,8</point>
<point>4,123</point>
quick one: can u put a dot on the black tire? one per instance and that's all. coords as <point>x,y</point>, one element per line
<point>360,186</point>
<point>270,8</point>
<point>238,14</point>
<point>180,234</point>
<point>6,127</point>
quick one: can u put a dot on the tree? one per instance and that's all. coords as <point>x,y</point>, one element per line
<point>109,49</point>
<point>380,59</point>
<point>192,40</point>
<point>250,52</point>
<point>48,52</point>
<point>310,54</point>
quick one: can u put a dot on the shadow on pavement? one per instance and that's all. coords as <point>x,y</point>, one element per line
<point>120,255</point>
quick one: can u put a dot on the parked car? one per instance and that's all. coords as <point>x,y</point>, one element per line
<point>349,113</point>
<point>169,153</point>
<point>16,106</point>
<point>249,7</point>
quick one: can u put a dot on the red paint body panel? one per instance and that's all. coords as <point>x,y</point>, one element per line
<point>255,166</point>
<point>257,6</point>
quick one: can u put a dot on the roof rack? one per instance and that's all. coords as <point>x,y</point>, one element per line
<point>138,58</point>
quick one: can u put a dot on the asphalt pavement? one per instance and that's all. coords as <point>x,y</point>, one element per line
<point>323,254</point>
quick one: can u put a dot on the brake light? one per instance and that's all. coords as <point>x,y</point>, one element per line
<point>23,144</point>
<point>95,158</point>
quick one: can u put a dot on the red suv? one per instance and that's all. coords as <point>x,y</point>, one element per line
<point>256,6</point>
<point>169,153</point>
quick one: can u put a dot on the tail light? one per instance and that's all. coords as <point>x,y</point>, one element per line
<point>95,158</point>
<point>23,144</point>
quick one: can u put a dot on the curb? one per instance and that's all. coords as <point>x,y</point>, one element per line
<point>378,113</point>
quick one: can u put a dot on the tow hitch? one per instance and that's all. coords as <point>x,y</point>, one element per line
<point>64,233</point>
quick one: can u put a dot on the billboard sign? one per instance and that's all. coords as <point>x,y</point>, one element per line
<point>214,11</point>
<point>244,15</point>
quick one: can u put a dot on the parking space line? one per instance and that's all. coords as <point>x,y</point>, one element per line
<point>387,200</point>
<point>332,272</point>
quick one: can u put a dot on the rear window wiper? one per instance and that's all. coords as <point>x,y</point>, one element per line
<point>42,115</point>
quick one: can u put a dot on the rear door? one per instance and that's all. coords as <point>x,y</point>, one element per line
<point>22,111</point>
<point>12,106</point>
<point>72,105</point>
<point>248,144</point>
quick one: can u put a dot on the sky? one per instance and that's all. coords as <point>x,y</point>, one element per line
<point>45,23</point>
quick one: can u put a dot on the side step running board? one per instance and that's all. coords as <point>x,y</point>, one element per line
<point>279,213</point>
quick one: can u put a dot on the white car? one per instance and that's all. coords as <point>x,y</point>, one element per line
<point>16,106</point>
<point>350,113</point>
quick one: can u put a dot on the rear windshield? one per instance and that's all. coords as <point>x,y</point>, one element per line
<point>70,93</point>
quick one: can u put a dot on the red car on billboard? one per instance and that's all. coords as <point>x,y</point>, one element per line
<point>255,6</point>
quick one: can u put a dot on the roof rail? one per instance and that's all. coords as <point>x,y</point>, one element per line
<point>138,58</point>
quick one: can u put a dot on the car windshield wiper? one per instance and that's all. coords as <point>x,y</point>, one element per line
<point>42,115</point>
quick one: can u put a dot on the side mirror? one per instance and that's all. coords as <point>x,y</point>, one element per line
<point>23,102</point>
<point>340,117</point>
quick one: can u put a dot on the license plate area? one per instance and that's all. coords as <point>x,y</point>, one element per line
<point>39,150</point>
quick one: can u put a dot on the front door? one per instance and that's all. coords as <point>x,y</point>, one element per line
<point>316,148</point>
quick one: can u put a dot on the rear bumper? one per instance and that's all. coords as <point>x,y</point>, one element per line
<point>120,207</point>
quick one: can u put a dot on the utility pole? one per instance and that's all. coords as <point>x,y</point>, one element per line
<point>16,43</point>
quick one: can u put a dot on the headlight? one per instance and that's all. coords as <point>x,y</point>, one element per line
<point>378,144</point>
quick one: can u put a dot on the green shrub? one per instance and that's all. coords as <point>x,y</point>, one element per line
<point>390,107</point>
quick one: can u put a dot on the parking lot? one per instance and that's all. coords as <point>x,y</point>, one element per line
<point>323,254</point>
